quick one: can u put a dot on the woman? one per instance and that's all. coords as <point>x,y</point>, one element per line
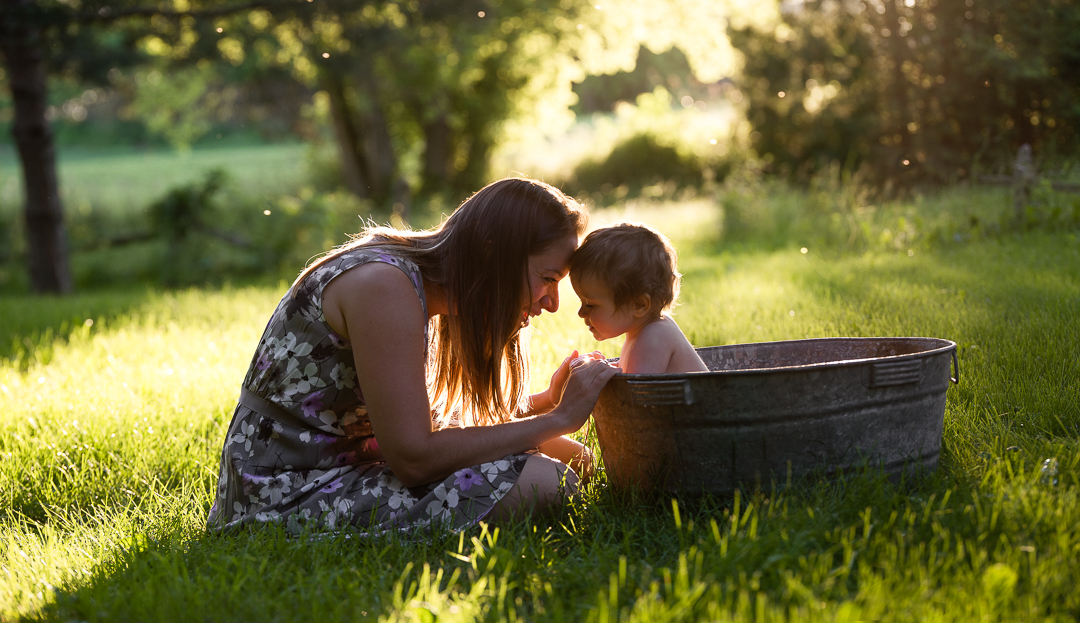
<point>351,413</point>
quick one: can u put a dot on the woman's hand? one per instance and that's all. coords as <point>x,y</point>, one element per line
<point>588,376</point>
<point>551,397</point>
<point>558,380</point>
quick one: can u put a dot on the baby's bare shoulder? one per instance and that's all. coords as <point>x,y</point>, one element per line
<point>666,336</point>
<point>662,330</point>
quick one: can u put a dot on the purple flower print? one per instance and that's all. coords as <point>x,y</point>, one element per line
<point>389,259</point>
<point>312,405</point>
<point>264,361</point>
<point>338,341</point>
<point>345,458</point>
<point>399,519</point>
<point>332,487</point>
<point>466,478</point>
<point>250,481</point>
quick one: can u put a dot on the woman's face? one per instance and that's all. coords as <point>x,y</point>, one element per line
<point>545,271</point>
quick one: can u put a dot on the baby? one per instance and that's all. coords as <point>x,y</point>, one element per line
<point>626,278</point>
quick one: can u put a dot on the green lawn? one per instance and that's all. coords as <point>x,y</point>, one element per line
<point>110,432</point>
<point>125,181</point>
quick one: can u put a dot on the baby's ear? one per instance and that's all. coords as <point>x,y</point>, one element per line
<point>642,305</point>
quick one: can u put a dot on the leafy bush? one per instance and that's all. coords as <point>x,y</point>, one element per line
<point>205,232</point>
<point>840,212</point>
<point>638,162</point>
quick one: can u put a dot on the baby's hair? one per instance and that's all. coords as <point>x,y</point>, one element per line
<point>632,259</point>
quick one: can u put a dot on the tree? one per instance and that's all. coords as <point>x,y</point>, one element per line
<point>426,82</point>
<point>22,34</point>
<point>912,91</point>
<point>39,38</point>
<point>420,93</point>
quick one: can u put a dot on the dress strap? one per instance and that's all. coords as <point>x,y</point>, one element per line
<point>265,408</point>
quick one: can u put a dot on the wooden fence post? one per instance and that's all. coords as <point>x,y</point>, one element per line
<point>1023,178</point>
<point>1022,181</point>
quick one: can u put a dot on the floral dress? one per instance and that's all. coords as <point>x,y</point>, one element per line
<point>293,452</point>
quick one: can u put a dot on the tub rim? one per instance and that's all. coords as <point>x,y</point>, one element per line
<point>945,346</point>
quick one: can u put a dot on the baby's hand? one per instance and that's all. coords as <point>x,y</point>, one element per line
<point>581,360</point>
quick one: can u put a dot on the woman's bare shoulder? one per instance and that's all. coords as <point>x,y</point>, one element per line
<point>365,288</point>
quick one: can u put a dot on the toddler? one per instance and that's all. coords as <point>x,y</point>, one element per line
<point>626,278</point>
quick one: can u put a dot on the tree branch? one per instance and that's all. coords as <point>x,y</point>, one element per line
<point>106,14</point>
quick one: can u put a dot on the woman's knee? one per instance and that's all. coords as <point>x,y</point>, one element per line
<point>548,478</point>
<point>544,484</point>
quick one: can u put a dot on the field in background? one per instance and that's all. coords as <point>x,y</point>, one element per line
<point>113,408</point>
<point>125,181</point>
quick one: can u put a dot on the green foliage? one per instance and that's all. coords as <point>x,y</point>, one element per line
<point>913,92</point>
<point>669,69</point>
<point>637,162</point>
<point>836,212</point>
<point>173,106</point>
<point>115,237</point>
<point>200,237</point>
<point>651,147</point>
<point>186,209</point>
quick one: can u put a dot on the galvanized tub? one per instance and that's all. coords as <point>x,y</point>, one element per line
<point>768,410</point>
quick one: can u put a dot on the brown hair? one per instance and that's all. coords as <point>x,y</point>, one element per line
<point>479,255</point>
<point>631,259</point>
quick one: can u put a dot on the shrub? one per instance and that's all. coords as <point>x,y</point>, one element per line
<point>636,163</point>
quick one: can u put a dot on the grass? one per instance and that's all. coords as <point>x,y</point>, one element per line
<point>110,434</point>
<point>125,181</point>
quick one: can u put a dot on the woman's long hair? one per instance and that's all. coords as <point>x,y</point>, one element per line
<point>478,368</point>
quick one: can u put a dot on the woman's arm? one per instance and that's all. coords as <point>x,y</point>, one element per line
<point>376,308</point>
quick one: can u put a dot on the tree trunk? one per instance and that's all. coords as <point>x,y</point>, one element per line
<point>379,150</point>
<point>353,164</point>
<point>46,239</point>
<point>436,172</point>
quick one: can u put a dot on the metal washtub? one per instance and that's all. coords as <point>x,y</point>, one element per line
<point>767,410</point>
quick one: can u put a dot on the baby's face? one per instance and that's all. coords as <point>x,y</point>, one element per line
<point>599,311</point>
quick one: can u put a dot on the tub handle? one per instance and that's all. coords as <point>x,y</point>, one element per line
<point>660,393</point>
<point>956,366</point>
<point>887,374</point>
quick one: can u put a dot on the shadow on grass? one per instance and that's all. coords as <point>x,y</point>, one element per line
<point>30,325</point>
